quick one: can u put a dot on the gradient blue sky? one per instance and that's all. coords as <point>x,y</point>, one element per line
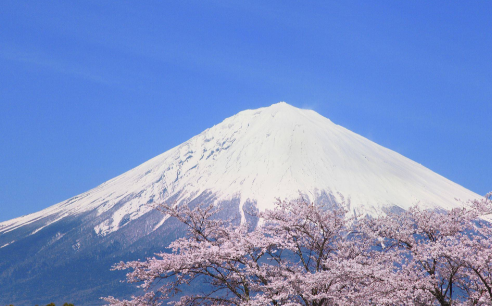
<point>91,89</point>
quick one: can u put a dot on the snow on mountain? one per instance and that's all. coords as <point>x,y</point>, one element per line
<point>259,155</point>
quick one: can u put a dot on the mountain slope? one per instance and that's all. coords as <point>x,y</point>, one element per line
<point>250,158</point>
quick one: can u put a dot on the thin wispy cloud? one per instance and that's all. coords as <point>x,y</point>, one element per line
<point>54,64</point>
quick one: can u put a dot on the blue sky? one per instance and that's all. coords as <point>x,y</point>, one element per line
<point>91,89</point>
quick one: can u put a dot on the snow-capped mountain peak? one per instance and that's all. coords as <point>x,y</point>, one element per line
<point>259,155</point>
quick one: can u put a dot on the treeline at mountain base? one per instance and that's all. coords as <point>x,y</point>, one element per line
<point>51,304</point>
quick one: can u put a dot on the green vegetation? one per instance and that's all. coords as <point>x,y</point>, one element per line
<point>52,304</point>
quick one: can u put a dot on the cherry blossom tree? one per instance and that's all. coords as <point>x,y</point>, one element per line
<point>305,254</point>
<point>442,257</point>
<point>301,254</point>
<point>318,258</point>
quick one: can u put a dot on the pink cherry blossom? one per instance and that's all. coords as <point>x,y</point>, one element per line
<point>305,254</point>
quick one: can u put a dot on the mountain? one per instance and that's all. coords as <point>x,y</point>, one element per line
<point>64,253</point>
